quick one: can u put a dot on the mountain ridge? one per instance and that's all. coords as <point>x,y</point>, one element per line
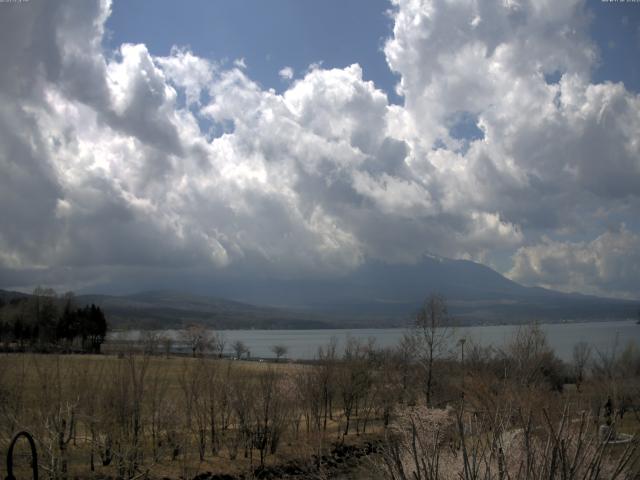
<point>374,295</point>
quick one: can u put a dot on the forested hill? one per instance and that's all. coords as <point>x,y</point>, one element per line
<point>164,309</point>
<point>169,309</point>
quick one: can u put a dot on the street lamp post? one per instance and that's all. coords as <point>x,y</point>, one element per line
<point>462,342</point>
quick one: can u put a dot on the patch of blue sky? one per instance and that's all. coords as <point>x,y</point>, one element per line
<point>615,28</point>
<point>463,126</point>
<point>271,35</point>
<point>267,35</point>
<point>553,77</point>
<point>213,129</point>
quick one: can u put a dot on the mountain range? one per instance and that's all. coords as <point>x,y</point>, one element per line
<point>374,295</point>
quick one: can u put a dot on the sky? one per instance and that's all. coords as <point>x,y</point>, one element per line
<point>157,142</point>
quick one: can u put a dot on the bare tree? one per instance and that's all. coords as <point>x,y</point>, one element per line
<point>57,414</point>
<point>157,409</point>
<point>122,438</point>
<point>531,358</point>
<point>279,351</point>
<point>406,355</point>
<point>197,338</point>
<point>167,344</point>
<point>431,333</point>
<point>150,342</point>
<point>193,383</point>
<point>581,356</point>
<point>243,389</point>
<point>327,357</point>
<point>218,343</point>
<point>91,384</point>
<point>353,380</point>
<point>544,445</point>
<point>391,383</point>
<point>309,387</point>
<point>239,348</point>
<point>269,413</point>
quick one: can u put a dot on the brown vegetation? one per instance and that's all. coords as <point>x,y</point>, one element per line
<point>512,413</point>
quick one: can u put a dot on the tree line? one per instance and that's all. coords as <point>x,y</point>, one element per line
<point>46,321</point>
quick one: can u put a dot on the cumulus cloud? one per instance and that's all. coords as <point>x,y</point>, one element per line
<point>286,73</point>
<point>607,265</point>
<point>125,162</point>
<point>571,139</point>
<point>187,71</point>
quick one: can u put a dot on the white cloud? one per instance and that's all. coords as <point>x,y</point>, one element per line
<point>327,175</point>
<point>551,155</point>
<point>607,265</point>
<point>187,71</point>
<point>286,73</point>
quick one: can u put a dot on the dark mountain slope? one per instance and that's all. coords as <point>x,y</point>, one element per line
<point>376,294</point>
<point>382,293</point>
<point>170,309</point>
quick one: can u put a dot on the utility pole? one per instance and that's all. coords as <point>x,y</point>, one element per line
<point>462,341</point>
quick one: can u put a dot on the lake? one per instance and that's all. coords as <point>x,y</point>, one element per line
<point>303,344</point>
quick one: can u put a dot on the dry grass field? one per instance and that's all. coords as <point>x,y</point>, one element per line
<point>516,414</point>
<point>159,406</point>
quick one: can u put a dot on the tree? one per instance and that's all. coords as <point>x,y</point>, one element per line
<point>581,356</point>
<point>309,388</point>
<point>327,358</point>
<point>167,344</point>
<point>150,341</point>
<point>269,412</point>
<point>431,333</point>
<point>56,413</point>
<point>218,343</point>
<point>68,327</point>
<point>197,338</point>
<point>353,379</point>
<point>93,328</point>
<point>46,319</point>
<point>279,351</point>
<point>193,381</point>
<point>532,359</point>
<point>44,312</point>
<point>239,348</point>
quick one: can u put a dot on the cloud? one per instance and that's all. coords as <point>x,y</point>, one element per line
<point>133,162</point>
<point>187,71</point>
<point>550,155</point>
<point>286,73</point>
<point>607,265</point>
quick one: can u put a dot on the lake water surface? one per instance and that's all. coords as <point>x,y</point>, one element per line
<point>303,344</point>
